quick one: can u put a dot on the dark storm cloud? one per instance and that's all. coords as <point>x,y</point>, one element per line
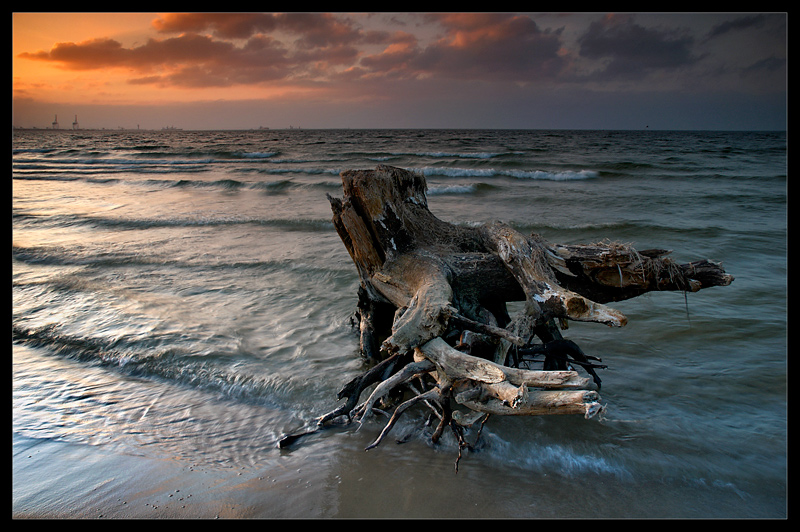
<point>767,65</point>
<point>631,51</point>
<point>736,25</point>
<point>487,45</point>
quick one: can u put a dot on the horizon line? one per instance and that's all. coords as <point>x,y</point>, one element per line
<point>438,128</point>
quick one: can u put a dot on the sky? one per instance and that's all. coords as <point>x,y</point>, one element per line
<point>679,71</point>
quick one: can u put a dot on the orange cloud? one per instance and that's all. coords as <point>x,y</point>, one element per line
<point>323,44</point>
<point>269,51</point>
<point>503,46</point>
<point>314,29</point>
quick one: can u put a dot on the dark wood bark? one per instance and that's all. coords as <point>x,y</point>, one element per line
<point>432,300</point>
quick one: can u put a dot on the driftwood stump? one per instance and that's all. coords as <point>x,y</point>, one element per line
<point>432,308</point>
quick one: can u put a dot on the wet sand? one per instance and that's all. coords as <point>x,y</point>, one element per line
<point>57,480</point>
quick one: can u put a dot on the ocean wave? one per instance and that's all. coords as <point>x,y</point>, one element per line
<point>228,184</point>
<point>68,260</point>
<point>631,229</point>
<point>450,155</point>
<point>557,458</point>
<point>164,356</point>
<point>439,190</point>
<point>270,187</point>
<point>17,151</point>
<point>258,155</point>
<point>104,162</point>
<point>67,220</point>
<point>275,186</point>
<point>39,171</point>
<point>385,155</point>
<point>302,170</point>
<point>567,175</point>
<point>43,171</point>
<point>147,163</point>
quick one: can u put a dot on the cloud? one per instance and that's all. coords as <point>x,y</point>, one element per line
<point>221,25</point>
<point>226,49</point>
<point>107,53</point>
<point>486,45</point>
<point>88,55</point>
<point>394,60</point>
<point>190,60</point>
<point>313,30</point>
<point>768,65</point>
<point>631,51</point>
<point>251,48</point>
<point>430,59</point>
<point>736,25</point>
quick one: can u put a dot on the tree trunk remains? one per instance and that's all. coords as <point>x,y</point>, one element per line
<point>432,307</point>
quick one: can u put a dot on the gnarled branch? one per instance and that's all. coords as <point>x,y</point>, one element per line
<point>428,287</point>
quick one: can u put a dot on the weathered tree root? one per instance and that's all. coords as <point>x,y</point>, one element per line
<point>434,394</point>
<point>432,309</point>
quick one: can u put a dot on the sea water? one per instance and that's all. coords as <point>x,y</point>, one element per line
<point>183,295</point>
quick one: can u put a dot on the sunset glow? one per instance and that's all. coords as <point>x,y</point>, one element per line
<point>399,70</point>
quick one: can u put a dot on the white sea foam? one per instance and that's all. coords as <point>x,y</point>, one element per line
<point>567,175</point>
<point>451,189</point>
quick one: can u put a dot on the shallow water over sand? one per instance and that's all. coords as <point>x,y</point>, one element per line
<point>183,297</point>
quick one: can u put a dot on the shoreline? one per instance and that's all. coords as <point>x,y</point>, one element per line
<point>62,480</point>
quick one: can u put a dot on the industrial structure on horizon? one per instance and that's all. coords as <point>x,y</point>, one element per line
<point>74,124</point>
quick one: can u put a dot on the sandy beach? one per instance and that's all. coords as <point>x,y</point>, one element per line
<point>56,480</point>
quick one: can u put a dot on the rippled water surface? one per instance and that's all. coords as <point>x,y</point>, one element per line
<point>184,295</point>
